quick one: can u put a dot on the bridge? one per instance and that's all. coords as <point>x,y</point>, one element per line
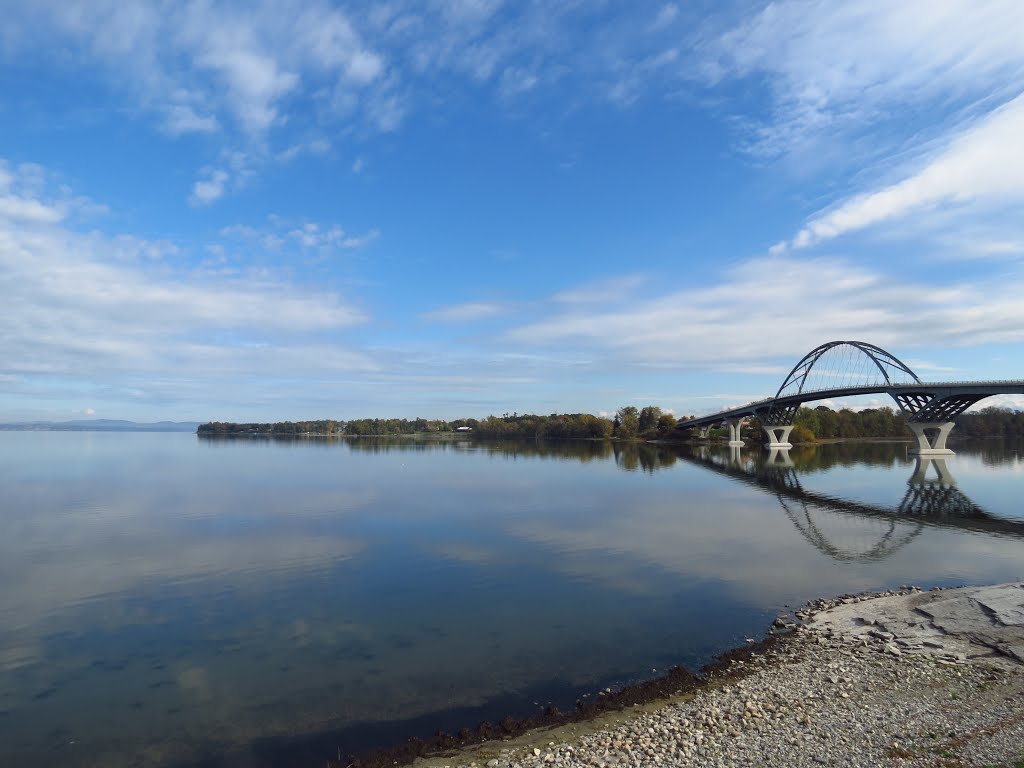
<point>849,368</point>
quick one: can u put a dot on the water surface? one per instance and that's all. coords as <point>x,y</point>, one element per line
<point>171,601</point>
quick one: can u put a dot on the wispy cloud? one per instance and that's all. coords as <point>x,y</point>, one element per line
<point>796,305</point>
<point>22,201</point>
<point>667,14</point>
<point>248,72</point>
<point>516,80</point>
<point>309,235</point>
<point>465,313</point>
<point>313,147</point>
<point>610,290</point>
<point>99,308</point>
<point>983,164</point>
<point>180,119</point>
<point>235,72</point>
<point>205,67</point>
<point>200,65</point>
<point>835,67</point>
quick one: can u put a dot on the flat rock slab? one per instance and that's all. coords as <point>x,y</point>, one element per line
<point>1005,601</point>
<point>954,624</point>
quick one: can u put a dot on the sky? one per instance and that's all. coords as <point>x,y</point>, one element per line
<point>217,210</point>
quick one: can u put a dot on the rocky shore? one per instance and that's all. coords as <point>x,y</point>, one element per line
<point>905,678</point>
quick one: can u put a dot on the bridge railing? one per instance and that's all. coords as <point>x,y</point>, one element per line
<point>972,383</point>
<point>908,385</point>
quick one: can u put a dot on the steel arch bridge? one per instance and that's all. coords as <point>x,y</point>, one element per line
<point>847,368</point>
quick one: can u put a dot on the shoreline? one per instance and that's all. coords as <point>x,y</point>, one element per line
<point>871,679</point>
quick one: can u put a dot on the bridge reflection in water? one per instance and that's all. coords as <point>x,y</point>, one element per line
<point>855,531</point>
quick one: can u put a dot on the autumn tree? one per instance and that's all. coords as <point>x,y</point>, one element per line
<point>629,422</point>
<point>648,420</point>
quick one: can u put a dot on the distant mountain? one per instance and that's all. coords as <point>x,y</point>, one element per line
<point>102,425</point>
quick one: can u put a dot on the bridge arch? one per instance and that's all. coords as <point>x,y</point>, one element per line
<point>853,360</point>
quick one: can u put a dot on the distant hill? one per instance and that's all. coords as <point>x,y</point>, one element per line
<point>101,425</point>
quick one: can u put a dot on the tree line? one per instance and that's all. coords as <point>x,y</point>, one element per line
<point>629,423</point>
<point>823,423</point>
<point>991,422</point>
<point>557,425</point>
<point>333,428</point>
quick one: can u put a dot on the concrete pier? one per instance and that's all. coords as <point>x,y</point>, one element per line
<point>931,437</point>
<point>778,437</point>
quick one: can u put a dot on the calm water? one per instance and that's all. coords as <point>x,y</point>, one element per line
<point>170,601</point>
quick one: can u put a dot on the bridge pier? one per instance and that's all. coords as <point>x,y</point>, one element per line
<point>735,438</point>
<point>931,437</point>
<point>778,437</point>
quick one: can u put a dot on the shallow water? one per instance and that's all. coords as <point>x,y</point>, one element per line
<point>171,601</point>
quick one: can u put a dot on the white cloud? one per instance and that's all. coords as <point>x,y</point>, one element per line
<point>239,230</point>
<point>990,247</point>
<point>918,366</point>
<point>240,61</point>
<point>210,189</point>
<point>307,234</point>
<point>770,309</point>
<point>667,14</point>
<point>983,164</point>
<point>17,208</point>
<point>99,311</point>
<point>255,82</point>
<point>465,313</point>
<point>310,236</point>
<point>385,110</point>
<point>516,81</point>
<point>255,75</point>
<point>313,147</point>
<point>31,195</point>
<point>835,65</point>
<point>251,68</point>
<point>180,119</point>
<point>329,42</point>
<point>614,289</point>
<point>358,241</point>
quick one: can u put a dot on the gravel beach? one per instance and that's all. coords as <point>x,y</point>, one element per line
<point>903,679</point>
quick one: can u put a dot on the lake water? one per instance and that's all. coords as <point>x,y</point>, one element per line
<point>172,601</point>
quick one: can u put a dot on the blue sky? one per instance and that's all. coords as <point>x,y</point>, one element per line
<point>288,210</point>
